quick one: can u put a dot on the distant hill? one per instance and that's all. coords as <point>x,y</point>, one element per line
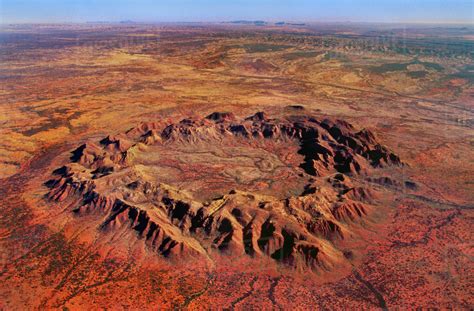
<point>127,22</point>
<point>245,22</point>
<point>289,24</point>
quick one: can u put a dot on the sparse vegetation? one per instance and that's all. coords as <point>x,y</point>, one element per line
<point>65,85</point>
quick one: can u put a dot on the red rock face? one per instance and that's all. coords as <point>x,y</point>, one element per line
<point>131,181</point>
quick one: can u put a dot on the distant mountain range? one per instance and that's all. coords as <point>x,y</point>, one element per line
<point>263,23</point>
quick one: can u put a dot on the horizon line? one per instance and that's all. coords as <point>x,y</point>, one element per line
<point>240,22</point>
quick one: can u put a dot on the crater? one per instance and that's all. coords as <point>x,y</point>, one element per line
<point>227,186</point>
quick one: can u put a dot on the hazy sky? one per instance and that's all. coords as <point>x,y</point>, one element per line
<point>222,10</point>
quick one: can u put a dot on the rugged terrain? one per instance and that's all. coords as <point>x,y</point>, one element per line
<point>124,179</point>
<point>274,166</point>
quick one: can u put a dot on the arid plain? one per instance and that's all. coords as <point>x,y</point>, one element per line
<point>231,166</point>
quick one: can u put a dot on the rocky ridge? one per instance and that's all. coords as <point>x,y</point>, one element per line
<point>295,231</point>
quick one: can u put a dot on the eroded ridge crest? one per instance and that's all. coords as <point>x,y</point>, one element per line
<point>106,178</point>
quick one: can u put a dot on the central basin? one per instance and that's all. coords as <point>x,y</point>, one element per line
<point>208,169</point>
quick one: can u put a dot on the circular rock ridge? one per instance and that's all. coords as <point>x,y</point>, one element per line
<point>111,179</point>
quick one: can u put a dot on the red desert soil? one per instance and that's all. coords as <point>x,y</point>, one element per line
<point>177,167</point>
